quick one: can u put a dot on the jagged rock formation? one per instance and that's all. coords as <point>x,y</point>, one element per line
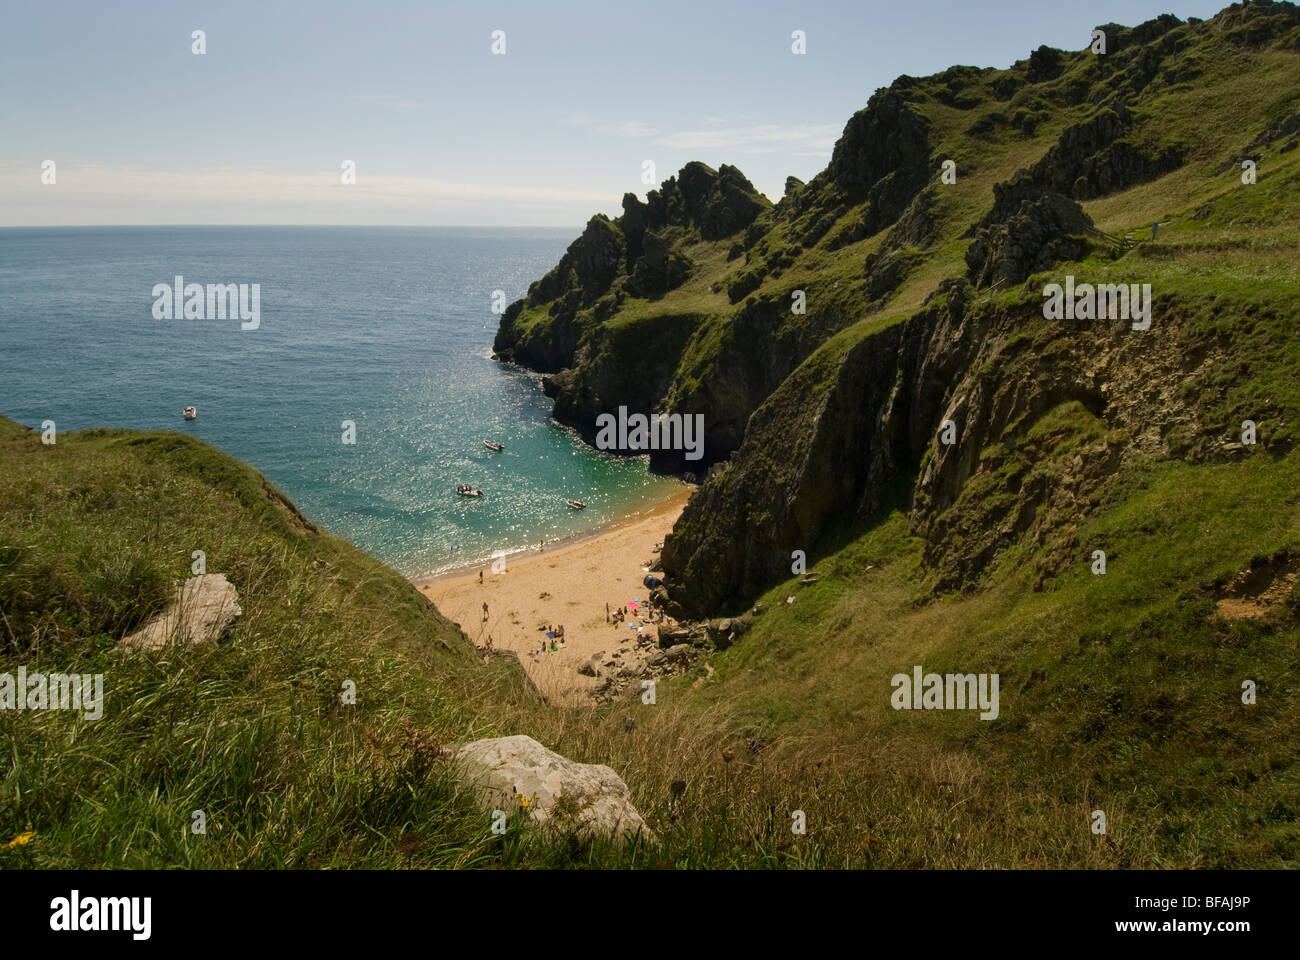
<point>816,419</point>
<point>1030,237</point>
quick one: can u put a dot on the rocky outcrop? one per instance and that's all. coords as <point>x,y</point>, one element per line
<point>1042,230</point>
<point>882,156</point>
<point>1089,159</point>
<point>659,268</point>
<point>583,275</point>
<point>622,673</point>
<point>204,610</point>
<point>518,774</point>
<point>817,419</point>
<point>804,463</point>
<point>1259,25</point>
<point>880,163</point>
<point>1045,63</point>
<point>1036,220</point>
<point>1042,414</point>
<point>637,254</point>
<point>714,204</point>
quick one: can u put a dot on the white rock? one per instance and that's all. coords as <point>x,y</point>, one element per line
<point>590,799</point>
<point>205,608</point>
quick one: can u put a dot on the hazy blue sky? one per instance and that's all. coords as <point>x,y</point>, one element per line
<point>441,130</point>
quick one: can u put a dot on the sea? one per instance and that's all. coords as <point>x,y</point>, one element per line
<point>388,328</point>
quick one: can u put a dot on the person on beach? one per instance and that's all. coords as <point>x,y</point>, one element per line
<point>485,613</point>
<point>559,633</point>
<point>480,578</point>
<point>607,612</point>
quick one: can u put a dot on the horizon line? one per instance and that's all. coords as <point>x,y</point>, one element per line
<point>244,226</point>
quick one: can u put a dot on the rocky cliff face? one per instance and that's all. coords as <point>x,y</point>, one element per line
<point>824,446</point>
<point>916,311</point>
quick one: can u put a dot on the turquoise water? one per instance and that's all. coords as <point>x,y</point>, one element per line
<point>388,327</point>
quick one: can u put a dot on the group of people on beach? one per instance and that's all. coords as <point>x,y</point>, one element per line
<point>648,614</point>
<point>554,639</point>
<point>641,616</point>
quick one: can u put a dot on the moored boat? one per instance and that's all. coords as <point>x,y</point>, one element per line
<point>576,504</point>
<point>493,445</point>
<point>465,490</point>
<point>190,413</point>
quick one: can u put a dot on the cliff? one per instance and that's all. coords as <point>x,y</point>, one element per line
<point>924,304</point>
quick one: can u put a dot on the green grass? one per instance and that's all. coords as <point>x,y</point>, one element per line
<point>95,530</point>
<point>1119,692</point>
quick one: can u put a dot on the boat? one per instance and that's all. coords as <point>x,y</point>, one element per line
<point>465,490</point>
<point>493,445</point>
<point>190,413</point>
<point>576,504</point>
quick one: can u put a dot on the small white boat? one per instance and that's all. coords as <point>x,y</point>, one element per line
<point>190,413</point>
<point>493,445</point>
<point>465,490</point>
<point>576,504</point>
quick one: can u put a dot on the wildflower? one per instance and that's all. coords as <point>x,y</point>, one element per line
<point>21,840</point>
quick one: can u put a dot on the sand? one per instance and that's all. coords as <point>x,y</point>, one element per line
<point>568,584</point>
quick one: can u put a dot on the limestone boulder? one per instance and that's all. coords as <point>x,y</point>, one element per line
<point>587,799</point>
<point>204,610</point>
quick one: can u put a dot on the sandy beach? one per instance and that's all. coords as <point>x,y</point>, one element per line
<point>567,585</point>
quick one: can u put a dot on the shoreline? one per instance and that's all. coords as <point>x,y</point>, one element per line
<point>521,553</point>
<point>568,585</point>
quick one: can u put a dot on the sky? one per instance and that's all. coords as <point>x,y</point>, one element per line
<point>441,130</point>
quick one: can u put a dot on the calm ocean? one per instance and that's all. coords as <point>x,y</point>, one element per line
<point>388,327</point>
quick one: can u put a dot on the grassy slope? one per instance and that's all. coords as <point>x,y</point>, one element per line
<point>93,530</point>
<point>1119,693</point>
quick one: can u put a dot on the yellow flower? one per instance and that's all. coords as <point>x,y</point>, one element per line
<point>21,840</point>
